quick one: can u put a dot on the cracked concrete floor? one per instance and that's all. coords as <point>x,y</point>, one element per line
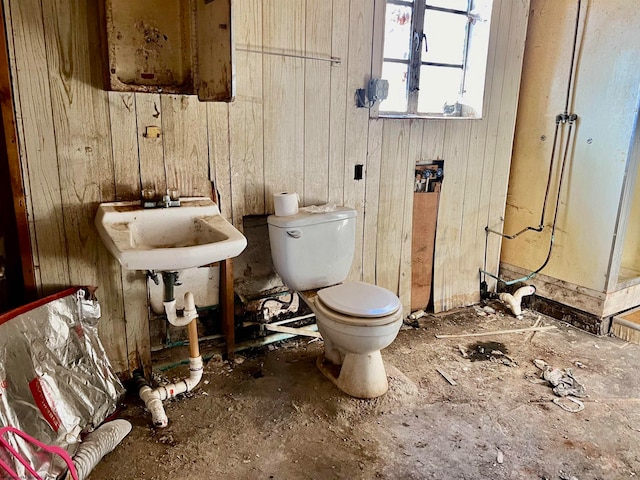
<point>274,416</point>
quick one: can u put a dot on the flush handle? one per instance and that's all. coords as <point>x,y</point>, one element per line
<point>294,233</point>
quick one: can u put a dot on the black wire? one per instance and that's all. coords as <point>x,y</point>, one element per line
<point>560,181</point>
<point>281,302</point>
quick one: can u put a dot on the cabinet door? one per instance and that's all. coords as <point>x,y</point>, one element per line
<point>216,76</point>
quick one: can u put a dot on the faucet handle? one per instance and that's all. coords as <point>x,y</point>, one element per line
<point>148,194</point>
<point>148,198</point>
<point>173,193</point>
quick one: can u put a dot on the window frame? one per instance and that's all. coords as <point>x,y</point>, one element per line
<point>414,63</point>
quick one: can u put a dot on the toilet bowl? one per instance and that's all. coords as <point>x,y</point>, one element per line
<point>356,321</point>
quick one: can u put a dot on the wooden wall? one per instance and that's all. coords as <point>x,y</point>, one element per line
<point>292,127</point>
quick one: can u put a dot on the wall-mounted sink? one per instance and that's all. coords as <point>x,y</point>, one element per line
<point>167,239</point>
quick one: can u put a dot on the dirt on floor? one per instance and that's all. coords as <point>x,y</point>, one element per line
<point>271,414</point>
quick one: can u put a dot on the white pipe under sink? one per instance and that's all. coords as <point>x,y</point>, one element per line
<point>188,314</point>
<point>153,398</point>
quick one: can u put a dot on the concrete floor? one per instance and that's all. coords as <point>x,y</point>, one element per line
<point>274,416</point>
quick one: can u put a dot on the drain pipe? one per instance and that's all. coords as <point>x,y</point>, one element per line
<point>514,302</point>
<point>153,398</point>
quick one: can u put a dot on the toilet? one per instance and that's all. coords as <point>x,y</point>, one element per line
<point>312,252</point>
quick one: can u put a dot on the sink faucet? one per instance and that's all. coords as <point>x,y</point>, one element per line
<point>170,199</point>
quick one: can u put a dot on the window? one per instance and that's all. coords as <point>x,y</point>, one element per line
<point>434,57</point>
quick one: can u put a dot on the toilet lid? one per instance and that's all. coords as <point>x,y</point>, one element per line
<point>360,299</point>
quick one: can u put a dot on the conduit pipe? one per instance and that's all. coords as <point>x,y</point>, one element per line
<point>153,398</point>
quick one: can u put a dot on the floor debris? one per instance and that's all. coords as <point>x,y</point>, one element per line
<point>284,410</point>
<point>489,351</point>
<point>561,402</point>
<point>447,377</point>
<point>563,382</point>
<point>499,332</point>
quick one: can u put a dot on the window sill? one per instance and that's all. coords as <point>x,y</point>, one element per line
<point>400,116</point>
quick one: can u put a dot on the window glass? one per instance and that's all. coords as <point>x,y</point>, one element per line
<point>445,36</point>
<point>397,37</point>
<point>439,87</point>
<point>453,4</point>
<point>396,75</point>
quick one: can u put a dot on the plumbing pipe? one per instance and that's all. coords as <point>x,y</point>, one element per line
<point>189,313</point>
<point>169,280</point>
<point>153,398</point>
<point>563,118</point>
<point>572,119</point>
<point>514,301</point>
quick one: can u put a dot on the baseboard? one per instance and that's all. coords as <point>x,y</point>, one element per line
<point>583,320</point>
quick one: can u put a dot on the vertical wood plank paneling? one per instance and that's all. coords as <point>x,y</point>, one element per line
<point>185,145</point>
<point>395,155</point>
<point>372,186</point>
<point>124,145</point>
<point>283,78</point>
<point>219,158</point>
<point>357,119</point>
<point>38,145</point>
<point>414,155</point>
<point>338,100</point>
<point>136,312</point>
<point>449,227</point>
<point>81,120</point>
<point>246,116</point>
<point>507,119</point>
<point>433,139</point>
<point>150,149</point>
<point>317,84</point>
<point>469,242</point>
<point>495,67</point>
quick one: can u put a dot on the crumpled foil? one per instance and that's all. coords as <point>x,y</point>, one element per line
<point>56,381</point>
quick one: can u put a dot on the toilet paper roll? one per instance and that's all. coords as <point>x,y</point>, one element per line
<point>285,204</point>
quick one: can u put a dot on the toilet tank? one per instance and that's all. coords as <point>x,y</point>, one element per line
<point>313,250</point>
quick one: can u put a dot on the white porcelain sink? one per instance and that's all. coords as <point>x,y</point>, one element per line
<point>167,239</point>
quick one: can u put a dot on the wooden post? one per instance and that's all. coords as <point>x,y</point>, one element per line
<point>15,173</point>
<point>226,303</point>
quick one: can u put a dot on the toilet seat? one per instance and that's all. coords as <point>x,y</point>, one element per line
<point>359,304</point>
<point>360,299</point>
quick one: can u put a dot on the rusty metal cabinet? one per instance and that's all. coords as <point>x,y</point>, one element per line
<point>169,46</point>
